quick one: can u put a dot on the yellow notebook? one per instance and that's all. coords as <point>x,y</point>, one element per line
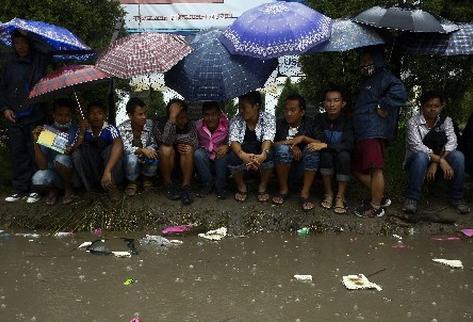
<point>53,139</point>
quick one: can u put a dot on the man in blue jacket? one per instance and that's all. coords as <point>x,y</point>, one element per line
<point>19,75</point>
<point>374,120</point>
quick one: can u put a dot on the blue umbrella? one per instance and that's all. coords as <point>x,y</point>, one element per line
<point>348,35</point>
<point>276,29</point>
<point>60,41</point>
<point>210,73</point>
<point>457,43</point>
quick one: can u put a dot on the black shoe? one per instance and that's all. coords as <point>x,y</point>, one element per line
<point>460,206</point>
<point>186,195</point>
<point>205,191</point>
<point>368,211</point>
<point>221,194</point>
<point>171,192</point>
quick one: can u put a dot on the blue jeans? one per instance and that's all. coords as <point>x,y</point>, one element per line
<point>205,167</point>
<point>417,164</point>
<point>50,177</point>
<point>283,155</point>
<point>235,164</point>
<point>134,168</point>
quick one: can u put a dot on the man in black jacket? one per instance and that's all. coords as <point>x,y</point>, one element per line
<point>20,73</point>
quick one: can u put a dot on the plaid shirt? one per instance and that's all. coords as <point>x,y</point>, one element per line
<point>146,137</point>
<point>265,128</point>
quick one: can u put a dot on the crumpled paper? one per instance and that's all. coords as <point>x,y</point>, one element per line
<point>216,234</point>
<point>359,282</point>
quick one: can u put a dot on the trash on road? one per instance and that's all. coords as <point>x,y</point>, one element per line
<point>304,231</point>
<point>136,318</point>
<point>121,254</point>
<point>468,232</point>
<point>128,281</point>
<point>216,234</point>
<point>98,232</point>
<point>444,238</point>
<point>453,263</point>
<point>303,278</point>
<point>62,234</point>
<point>84,244</point>
<point>155,240</point>
<point>399,245</point>
<point>173,230</point>
<point>28,235</point>
<point>359,282</point>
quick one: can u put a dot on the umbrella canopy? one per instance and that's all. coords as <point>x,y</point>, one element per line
<point>210,73</point>
<point>348,35</point>
<point>276,29</point>
<point>68,78</point>
<point>457,43</point>
<point>405,18</point>
<point>60,41</point>
<point>144,53</point>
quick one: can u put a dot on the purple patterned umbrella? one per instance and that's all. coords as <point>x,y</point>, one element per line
<point>276,29</point>
<point>144,53</point>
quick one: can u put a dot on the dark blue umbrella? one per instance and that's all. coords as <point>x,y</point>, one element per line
<point>210,73</point>
<point>348,35</point>
<point>457,43</point>
<point>276,29</point>
<point>57,40</point>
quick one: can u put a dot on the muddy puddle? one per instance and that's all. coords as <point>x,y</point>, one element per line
<point>235,279</point>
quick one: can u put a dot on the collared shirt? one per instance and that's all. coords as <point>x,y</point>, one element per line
<point>265,128</point>
<point>417,129</point>
<point>107,134</point>
<point>211,141</point>
<point>146,137</point>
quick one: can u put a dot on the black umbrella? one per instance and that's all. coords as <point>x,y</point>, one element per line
<point>402,17</point>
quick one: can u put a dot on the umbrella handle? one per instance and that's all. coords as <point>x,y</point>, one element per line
<point>78,105</point>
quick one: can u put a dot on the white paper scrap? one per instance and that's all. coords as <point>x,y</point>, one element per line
<point>121,254</point>
<point>303,278</point>
<point>216,234</point>
<point>453,263</point>
<point>359,282</point>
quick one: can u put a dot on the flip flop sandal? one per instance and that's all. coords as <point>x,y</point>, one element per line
<point>340,206</point>
<point>131,189</point>
<point>70,199</point>
<point>280,198</point>
<point>241,196</point>
<point>262,196</point>
<point>306,204</point>
<point>327,203</point>
<point>147,184</point>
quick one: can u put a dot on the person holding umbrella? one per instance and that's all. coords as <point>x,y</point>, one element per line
<point>375,117</point>
<point>251,135</point>
<point>55,169</point>
<point>20,73</point>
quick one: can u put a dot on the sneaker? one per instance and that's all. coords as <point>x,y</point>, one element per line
<point>15,197</point>
<point>410,206</point>
<point>460,206</point>
<point>205,190</point>
<point>33,197</point>
<point>186,195</point>
<point>367,210</point>
<point>385,202</point>
<point>171,192</point>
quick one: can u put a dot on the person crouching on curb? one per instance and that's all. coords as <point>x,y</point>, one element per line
<point>251,135</point>
<point>432,145</point>
<point>336,135</point>
<point>212,132</point>
<point>139,147</point>
<point>294,132</point>
<point>177,139</point>
<point>55,169</point>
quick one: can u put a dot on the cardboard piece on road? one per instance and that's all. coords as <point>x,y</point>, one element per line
<point>359,282</point>
<point>453,263</point>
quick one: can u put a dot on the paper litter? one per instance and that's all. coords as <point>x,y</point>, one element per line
<point>453,263</point>
<point>359,282</point>
<point>216,234</point>
<point>85,244</point>
<point>303,278</point>
<point>121,254</point>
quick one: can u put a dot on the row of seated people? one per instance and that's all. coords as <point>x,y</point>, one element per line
<point>294,147</point>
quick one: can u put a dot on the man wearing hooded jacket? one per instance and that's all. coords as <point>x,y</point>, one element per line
<point>374,120</point>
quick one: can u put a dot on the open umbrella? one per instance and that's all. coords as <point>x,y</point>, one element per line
<point>144,53</point>
<point>401,17</point>
<point>348,35</point>
<point>276,29</point>
<point>67,79</point>
<point>210,73</point>
<point>459,42</point>
<point>59,41</point>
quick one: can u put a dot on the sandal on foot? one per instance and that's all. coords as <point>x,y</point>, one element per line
<point>340,206</point>
<point>327,203</point>
<point>69,199</point>
<point>131,189</point>
<point>147,184</point>
<point>306,204</point>
<point>280,198</point>
<point>262,196</point>
<point>241,196</point>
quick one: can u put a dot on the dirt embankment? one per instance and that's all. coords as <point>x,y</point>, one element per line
<point>151,211</point>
